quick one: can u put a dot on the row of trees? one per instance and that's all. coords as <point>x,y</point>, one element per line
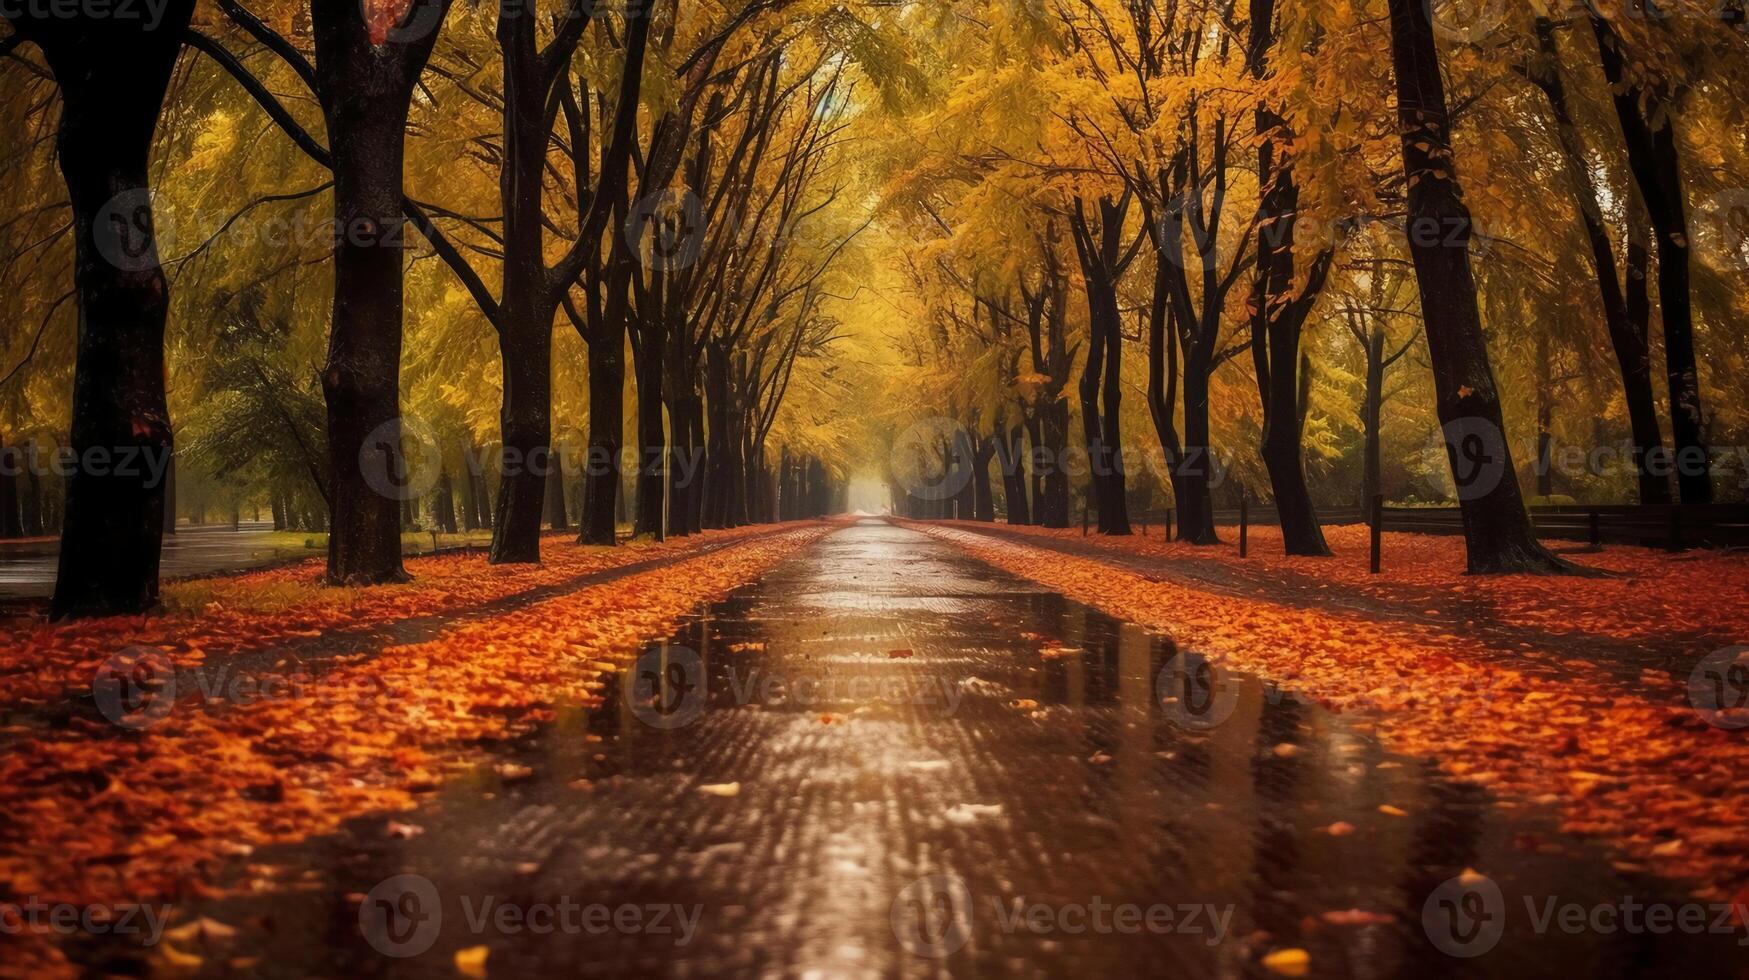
<point>672,181</point>
<point>1264,186</point>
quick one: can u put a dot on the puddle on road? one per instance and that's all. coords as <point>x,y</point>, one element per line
<point>884,759</point>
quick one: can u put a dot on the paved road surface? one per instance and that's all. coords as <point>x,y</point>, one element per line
<point>27,569</point>
<point>922,792</point>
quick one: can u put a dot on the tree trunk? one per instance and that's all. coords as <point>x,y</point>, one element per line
<point>1196,515</point>
<point>444,516</point>
<point>1100,376</point>
<point>1008,446</point>
<point>554,504</point>
<point>1277,316</point>
<point>652,441</point>
<point>1371,409</point>
<point>606,433</point>
<point>1627,335</point>
<point>1657,169</point>
<point>365,89</point>
<point>1497,529</point>
<point>113,73</point>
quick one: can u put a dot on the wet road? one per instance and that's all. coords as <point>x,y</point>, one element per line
<point>27,569</point>
<point>886,759</point>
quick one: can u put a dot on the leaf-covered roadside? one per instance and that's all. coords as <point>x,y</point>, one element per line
<point>215,617</point>
<point>1646,594</point>
<point>1641,772</point>
<point>101,816</point>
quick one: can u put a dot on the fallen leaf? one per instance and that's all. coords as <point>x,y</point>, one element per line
<point>1289,962</point>
<point>471,962</point>
<point>721,789</point>
<point>203,928</point>
<point>1357,917</point>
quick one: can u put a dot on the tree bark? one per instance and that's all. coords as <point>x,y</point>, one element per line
<point>652,440</point>
<point>1370,412</point>
<point>1101,380</point>
<point>1497,529</point>
<point>1278,318</point>
<point>1627,337</point>
<point>606,431</point>
<point>1657,169</point>
<point>445,509</point>
<point>113,73</point>
<point>365,89</point>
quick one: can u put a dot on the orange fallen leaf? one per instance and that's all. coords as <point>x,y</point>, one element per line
<point>471,962</point>
<point>1289,962</point>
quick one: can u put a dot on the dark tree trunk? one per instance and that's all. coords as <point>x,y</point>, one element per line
<point>1008,447</point>
<point>683,455</point>
<point>113,73</point>
<point>1370,411</point>
<point>983,500</point>
<point>606,434</point>
<point>1277,316</point>
<point>698,477</point>
<point>1101,377</point>
<point>365,89</point>
<point>1497,528</point>
<point>555,496</point>
<point>445,509</point>
<point>528,301</point>
<point>1163,386</point>
<point>482,497</point>
<point>1196,513</point>
<point>1653,157</point>
<point>734,473</point>
<point>470,513</point>
<point>652,441</point>
<point>1627,334</point>
<point>10,525</point>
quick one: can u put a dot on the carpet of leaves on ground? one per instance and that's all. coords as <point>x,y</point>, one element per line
<point>103,816</point>
<point>215,617</point>
<point>1701,597</point>
<point>1643,773</point>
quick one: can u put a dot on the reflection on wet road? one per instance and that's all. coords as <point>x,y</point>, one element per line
<point>885,759</point>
